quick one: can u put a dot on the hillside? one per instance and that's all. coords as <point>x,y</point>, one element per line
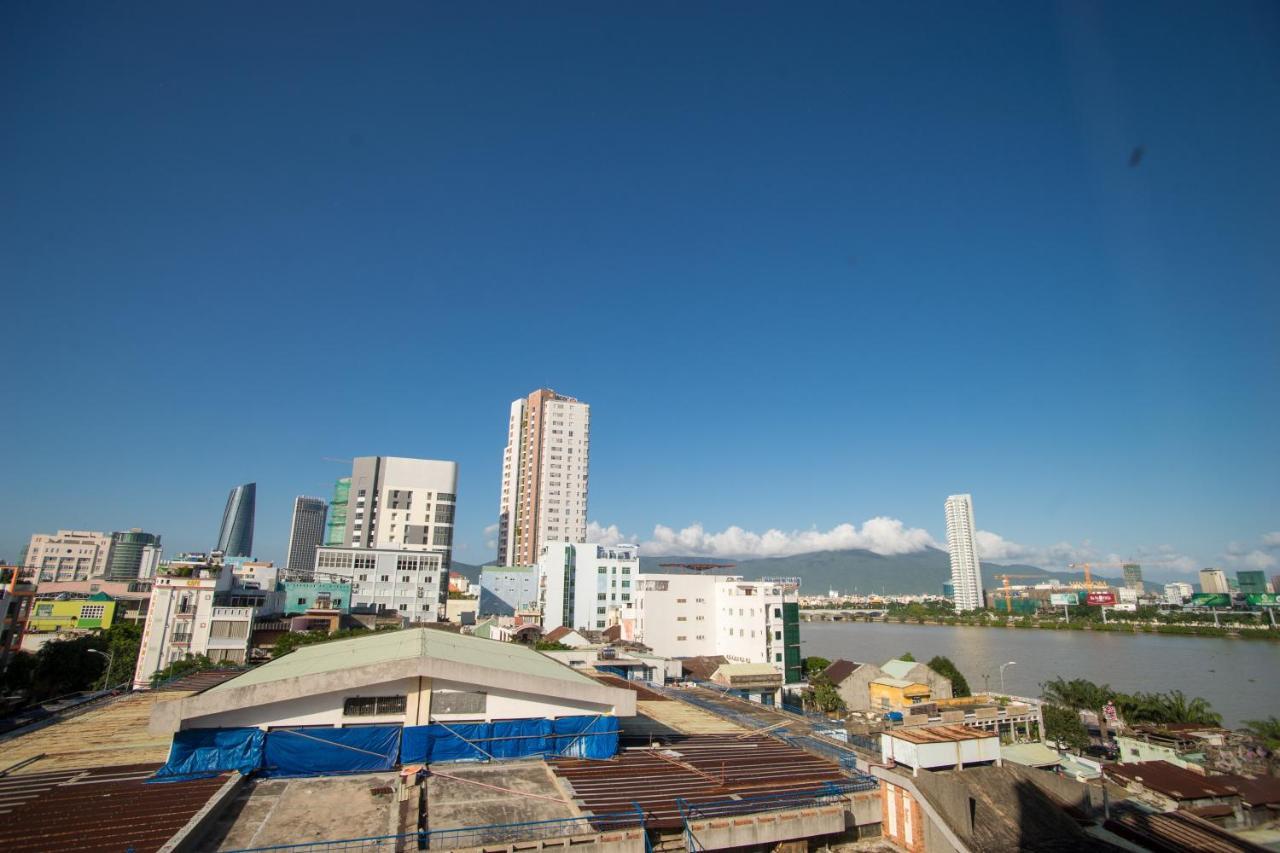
<point>867,572</point>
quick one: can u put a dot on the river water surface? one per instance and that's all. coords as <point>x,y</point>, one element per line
<point>1240,678</point>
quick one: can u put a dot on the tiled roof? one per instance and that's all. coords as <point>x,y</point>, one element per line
<point>940,734</point>
<point>840,669</point>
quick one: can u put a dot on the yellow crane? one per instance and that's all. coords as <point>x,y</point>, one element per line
<point>1008,604</point>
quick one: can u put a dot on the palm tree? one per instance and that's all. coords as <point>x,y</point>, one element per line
<point>1080,694</point>
<point>1177,709</point>
<point>1268,731</point>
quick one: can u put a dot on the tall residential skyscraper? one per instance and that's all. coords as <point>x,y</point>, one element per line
<point>306,532</point>
<point>132,555</point>
<point>1133,576</point>
<point>396,503</point>
<point>1214,580</point>
<point>966,570</point>
<point>235,537</point>
<point>544,476</point>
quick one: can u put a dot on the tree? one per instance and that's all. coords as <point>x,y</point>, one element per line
<point>551,646</point>
<point>1171,707</point>
<point>1064,725</point>
<point>1080,694</point>
<point>815,664</point>
<point>907,656</point>
<point>943,666</point>
<point>823,694</point>
<point>1268,731</point>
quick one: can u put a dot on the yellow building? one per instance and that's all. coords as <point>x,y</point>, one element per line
<point>83,614</point>
<point>892,694</point>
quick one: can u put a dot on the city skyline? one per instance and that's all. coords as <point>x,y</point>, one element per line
<point>777,264</point>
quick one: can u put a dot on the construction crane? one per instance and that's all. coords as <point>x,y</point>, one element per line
<point>1008,604</point>
<point>1088,569</point>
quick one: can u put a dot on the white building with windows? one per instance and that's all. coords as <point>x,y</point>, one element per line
<point>696,613</point>
<point>587,586</point>
<point>69,555</point>
<point>411,584</point>
<point>401,503</point>
<point>962,545</point>
<point>544,476</point>
<point>192,612</point>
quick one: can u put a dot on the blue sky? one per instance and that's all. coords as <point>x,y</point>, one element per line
<point>810,265</point>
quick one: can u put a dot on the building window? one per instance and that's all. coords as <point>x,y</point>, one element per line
<point>458,702</point>
<point>370,706</point>
<point>228,629</point>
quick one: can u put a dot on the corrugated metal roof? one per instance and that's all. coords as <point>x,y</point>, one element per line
<point>1030,754</point>
<point>746,669</point>
<point>897,668</point>
<point>899,683</point>
<point>1170,780</point>
<point>940,734</point>
<point>384,646</point>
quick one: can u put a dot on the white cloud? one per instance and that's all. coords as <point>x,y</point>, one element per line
<point>1271,540</point>
<point>490,537</point>
<point>880,535</point>
<point>601,535</point>
<point>1243,556</point>
<point>1259,559</point>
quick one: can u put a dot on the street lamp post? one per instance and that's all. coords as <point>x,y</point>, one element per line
<point>1002,666</point>
<point>106,673</point>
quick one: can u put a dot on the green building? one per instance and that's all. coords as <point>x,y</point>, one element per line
<point>792,671</point>
<point>301,596</point>
<point>1252,582</point>
<point>128,550</point>
<point>335,531</point>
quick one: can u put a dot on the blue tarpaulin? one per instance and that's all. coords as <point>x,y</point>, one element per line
<point>326,751</point>
<point>576,737</point>
<point>197,753</point>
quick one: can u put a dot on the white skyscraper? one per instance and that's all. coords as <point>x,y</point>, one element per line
<point>966,571</point>
<point>544,476</point>
<point>402,504</point>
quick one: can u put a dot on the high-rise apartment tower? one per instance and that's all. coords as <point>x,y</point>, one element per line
<point>962,544</point>
<point>235,537</point>
<point>306,532</point>
<point>1214,580</point>
<point>544,476</point>
<point>396,503</point>
<point>1133,576</point>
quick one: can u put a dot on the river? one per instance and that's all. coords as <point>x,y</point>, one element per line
<point>1240,678</point>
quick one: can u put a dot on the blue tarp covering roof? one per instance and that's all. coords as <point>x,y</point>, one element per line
<point>197,753</point>
<point>576,737</point>
<point>326,751</point>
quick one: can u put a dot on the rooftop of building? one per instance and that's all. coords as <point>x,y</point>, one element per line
<point>898,683</point>
<point>840,669</point>
<point>940,734</point>
<point>898,668</point>
<point>1175,831</point>
<point>1170,780</point>
<point>1030,754</point>
<point>745,670</point>
<point>384,646</point>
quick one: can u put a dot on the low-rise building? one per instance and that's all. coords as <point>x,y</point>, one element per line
<point>934,747</point>
<point>1169,787</point>
<point>696,614</point>
<point>586,585</point>
<point>852,680</point>
<point>505,590</point>
<point>16,594</point>
<point>410,584</point>
<point>98,611</point>
<point>302,596</point>
<point>896,694</point>
<point>757,682</point>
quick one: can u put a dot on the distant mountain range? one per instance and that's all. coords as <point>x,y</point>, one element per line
<point>860,571</point>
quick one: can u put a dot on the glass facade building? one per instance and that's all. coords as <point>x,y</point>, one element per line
<point>127,550</point>
<point>235,537</point>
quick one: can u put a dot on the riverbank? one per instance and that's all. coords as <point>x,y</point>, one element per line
<point>1236,677</point>
<point>1114,627</point>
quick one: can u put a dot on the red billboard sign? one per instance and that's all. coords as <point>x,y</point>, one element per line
<point>1104,599</point>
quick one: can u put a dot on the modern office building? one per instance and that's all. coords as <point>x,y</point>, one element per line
<point>1133,576</point>
<point>235,537</point>
<point>69,555</point>
<point>1214,580</point>
<point>132,553</point>
<point>335,529</point>
<point>962,545</point>
<point>413,585</point>
<point>544,476</point>
<point>401,503</point>
<point>695,614</point>
<point>587,586</point>
<point>505,590</point>
<point>306,532</point>
<point>1251,582</point>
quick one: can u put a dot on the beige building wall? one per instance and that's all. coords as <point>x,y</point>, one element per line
<point>69,555</point>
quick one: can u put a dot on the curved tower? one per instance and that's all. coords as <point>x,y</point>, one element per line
<point>235,538</point>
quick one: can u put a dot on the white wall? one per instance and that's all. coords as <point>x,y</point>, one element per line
<point>618,583</point>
